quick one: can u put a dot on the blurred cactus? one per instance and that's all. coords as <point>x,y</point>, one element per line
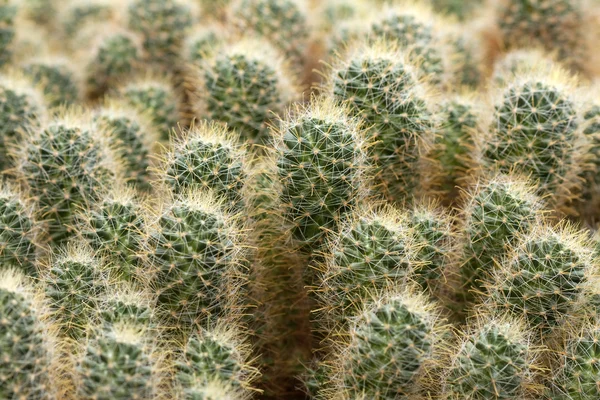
<point>202,43</point>
<point>55,78</point>
<point>8,12</point>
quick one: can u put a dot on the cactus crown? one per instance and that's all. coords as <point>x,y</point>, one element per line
<point>65,164</point>
<point>80,13</point>
<point>372,251</point>
<point>203,42</point>
<point>18,231</point>
<point>544,277</point>
<point>535,130</point>
<point>26,342</point>
<point>379,85</point>
<point>117,364</point>
<point>238,86</point>
<point>215,354</point>
<point>195,248</point>
<point>116,228</point>
<point>207,156</point>
<point>389,345</point>
<point>494,361</point>
<point>128,304</point>
<point>321,164</point>
<point>75,282</point>
<point>154,95</point>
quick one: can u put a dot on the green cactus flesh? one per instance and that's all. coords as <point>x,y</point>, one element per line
<point>56,80</point>
<point>7,31</point>
<point>158,101</point>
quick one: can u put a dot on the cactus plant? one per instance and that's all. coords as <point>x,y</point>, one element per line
<point>283,22</point>
<point>390,344</point>
<point>207,156</point>
<point>115,227</point>
<point>535,131</point>
<point>80,13</point>
<point>21,105</point>
<point>544,278</point>
<point>515,62</point>
<point>497,211</point>
<point>243,85</point>
<point>117,364</point>
<point>494,360</point>
<point>127,304</point>
<point>65,164</point>
<point>75,281</point>
<point>163,24</point>
<point>55,78</point>
<point>454,144</point>
<point>156,97</point>
<point>133,139</point>
<point>113,57</point>
<point>195,247</point>
<point>19,231</point>
<point>432,227</point>
<point>215,355</point>
<point>26,341</point>
<point>8,12</point>
<point>379,84</point>
<point>373,250</point>
<point>579,373</point>
<point>321,165</point>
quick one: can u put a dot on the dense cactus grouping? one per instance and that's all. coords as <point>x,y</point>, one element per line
<point>299,199</point>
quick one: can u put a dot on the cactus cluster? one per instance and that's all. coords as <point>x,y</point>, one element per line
<point>299,199</point>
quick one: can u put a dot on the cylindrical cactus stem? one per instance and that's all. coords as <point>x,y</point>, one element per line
<point>75,281</point>
<point>155,96</point>
<point>283,22</point>
<point>208,156</point>
<point>413,28</point>
<point>8,12</point>
<point>217,354</point>
<point>391,343</point>
<point>114,55</point>
<point>115,227</point>
<point>55,77</point>
<point>535,131</point>
<point>545,278</point>
<point>118,362</point>
<point>22,105</point>
<point>379,85</point>
<point>243,85</point>
<point>27,341</point>
<point>496,212</point>
<point>434,235</point>
<point>494,360</point>
<point>322,168</point>
<point>579,372</point>
<point>453,148</point>
<point>163,24</point>
<point>375,249</point>
<point>19,231</point>
<point>195,247</point>
<point>132,139</point>
<point>66,164</point>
